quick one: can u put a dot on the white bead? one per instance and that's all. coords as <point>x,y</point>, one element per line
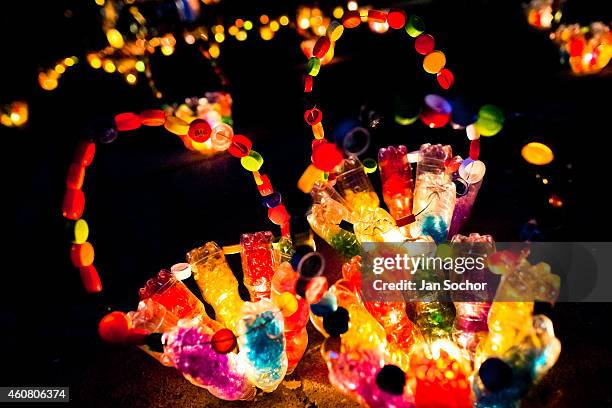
<point>472,133</point>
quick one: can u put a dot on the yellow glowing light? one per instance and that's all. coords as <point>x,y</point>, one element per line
<point>304,23</point>
<point>15,117</point>
<point>167,50</point>
<point>248,25</point>
<point>60,69</point>
<point>109,67</point>
<point>233,30</point>
<point>6,120</point>
<point>264,19</point>
<point>218,28</point>
<point>544,181</point>
<point>266,33</point>
<point>242,35</point>
<point>131,79</point>
<point>99,2</point>
<point>338,12</point>
<point>219,37</point>
<point>537,153</point>
<point>274,26</point>
<point>352,5</point>
<point>115,39</point>
<point>284,20</point>
<point>214,51</point>
<point>47,83</point>
<point>321,30</point>
<point>95,62</point>
<point>70,61</point>
<point>140,66</point>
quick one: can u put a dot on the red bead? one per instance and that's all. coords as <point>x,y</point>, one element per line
<point>409,219</point>
<point>90,279</point>
<point>82,254</point>
<point>377,16</point>
<point>315,289</point>
<point>223,341</point>
<point>75,176</point>
<point>317,142</point>
<point>313,116</point>
<point>576,46</point>
<point>137,336</point>
<point>265,188</point>
<point>326,156</point>
<point>434,119</point>
<point>424,44</point>
<point>396,19</point>
<point>475,149</point>
<point>153,117</point>
<point>351,19</point>
<point>286,229</point>
<point>127,121</point>
<point>308,83</point>
<point>278,215</point>
<point>114,327</point>
<point>199,130</point>
<point>240,147</point>
<point>445,78</point>
<point>74,204</point>
<point>321,47</point>
<point>84,153</point>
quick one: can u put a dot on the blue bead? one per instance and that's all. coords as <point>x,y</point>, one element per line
<point>326,305</point>
<point>272,200</point>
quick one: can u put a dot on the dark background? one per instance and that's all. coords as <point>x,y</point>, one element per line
<point>149,200</point>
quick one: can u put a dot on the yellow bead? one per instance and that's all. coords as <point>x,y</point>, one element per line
<point>310,176</point>
<point>252,162</point>
<point>81,231</point>
<point>335,30</point>
<point>537,153</point>
<point>177,126</point>
<point>287,303</point>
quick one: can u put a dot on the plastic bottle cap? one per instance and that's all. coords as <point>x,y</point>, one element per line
<point>181,271</point>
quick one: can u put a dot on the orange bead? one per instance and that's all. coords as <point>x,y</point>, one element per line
<point>75,176</point>
<point>153,117</point>
<point>351,19</point>
<point>114,327</point>
<point>74,204</point>
<point>82,254</point>
<point>90,279</point>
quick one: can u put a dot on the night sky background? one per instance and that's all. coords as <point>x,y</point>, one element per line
<point>149,200</point>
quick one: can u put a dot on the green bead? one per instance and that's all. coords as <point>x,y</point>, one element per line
<point>314,66</point>
<point>252,162</point>
<point>285,247</point>
<point>415,26</point>
<point>346,244</point>
<point>490,120</point>
<point>369,165</point>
